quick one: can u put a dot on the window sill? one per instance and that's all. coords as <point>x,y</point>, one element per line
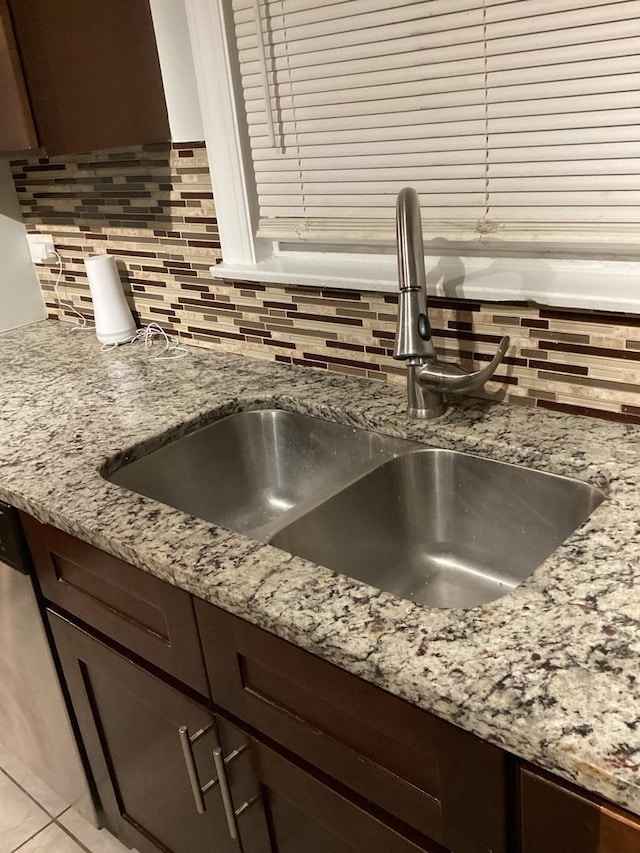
<point>601,285</point>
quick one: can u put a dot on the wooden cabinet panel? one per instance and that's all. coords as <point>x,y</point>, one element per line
<point>307,816</point>
<point>445,783</point>
<point>619,831</point>
<point>145,615</point>
<point>92,74</point>
<point>16,124</point>
<point>129,721</point>
<point>558,818</point>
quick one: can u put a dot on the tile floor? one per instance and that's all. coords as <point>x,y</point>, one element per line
<point>33,819</point>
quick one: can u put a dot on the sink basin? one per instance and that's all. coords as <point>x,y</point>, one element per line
<point>247,471</point>
<point>438,527</point>
<point>442,528</point>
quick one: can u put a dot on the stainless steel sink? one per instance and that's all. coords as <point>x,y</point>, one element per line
<point>248,471</point>
<point>438,527</point>
<point>442,528</point>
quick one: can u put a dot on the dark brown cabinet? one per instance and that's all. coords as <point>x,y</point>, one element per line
<point>558,818</point>
<point>130,722</point>
<point>323,761</point>
<point>307,815</point>
<point>141,613</point>
<point>17,130</point>
<point>79,76</point>
<point>206,733</point>
<point>443,783</point>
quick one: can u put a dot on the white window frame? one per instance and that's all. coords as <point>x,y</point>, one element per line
<point>607,285</point>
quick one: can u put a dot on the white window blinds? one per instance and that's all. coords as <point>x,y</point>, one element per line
<point>514,120</point>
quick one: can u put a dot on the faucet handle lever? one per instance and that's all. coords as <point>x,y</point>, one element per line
<point>453,379</point>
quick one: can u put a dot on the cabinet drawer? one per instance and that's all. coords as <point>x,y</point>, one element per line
<point>146,615</point>
<point>308,816</point>
<point>555,816</point>
<point>441,781</point>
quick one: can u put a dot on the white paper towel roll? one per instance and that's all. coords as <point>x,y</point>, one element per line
<point>114,323</point>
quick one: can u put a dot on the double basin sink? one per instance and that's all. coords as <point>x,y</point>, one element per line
<point>437,527</point>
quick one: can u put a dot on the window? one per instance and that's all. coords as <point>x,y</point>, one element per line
<point>517,122</point>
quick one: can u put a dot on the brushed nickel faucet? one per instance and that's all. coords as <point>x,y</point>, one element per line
<point>429,381</point>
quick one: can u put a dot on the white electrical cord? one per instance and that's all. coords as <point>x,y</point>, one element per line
<point>172,347</point>
<point>68,304</point>
<point>150,333</point>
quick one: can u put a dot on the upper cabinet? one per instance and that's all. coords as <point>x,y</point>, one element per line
<point>78,76</point>
<point>16,124</point>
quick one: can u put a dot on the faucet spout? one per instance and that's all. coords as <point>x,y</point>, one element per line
<point>411,272</point>
<point>413,337</point>
<point>429,381</point>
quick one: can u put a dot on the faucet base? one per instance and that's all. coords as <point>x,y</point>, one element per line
<point>426,414</point>
<point>423,402</point>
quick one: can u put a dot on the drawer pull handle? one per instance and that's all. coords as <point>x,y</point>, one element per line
<point>246,805</point>
<point>198,791</point>
<point>187,741</point>
<point>225,793</point>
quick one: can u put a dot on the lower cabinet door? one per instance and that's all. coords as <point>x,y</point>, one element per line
<point>174,777</point>
<point>152,749</point>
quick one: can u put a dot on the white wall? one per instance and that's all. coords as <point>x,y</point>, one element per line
<point>20,296</point>
<point>178,73</point>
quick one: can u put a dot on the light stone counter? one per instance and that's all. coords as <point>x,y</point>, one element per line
<point>550,672</point>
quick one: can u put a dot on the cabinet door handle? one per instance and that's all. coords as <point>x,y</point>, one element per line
<point>225,793</point>
<point>187,741</point>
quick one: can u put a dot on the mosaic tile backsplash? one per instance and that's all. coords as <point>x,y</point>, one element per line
<point>153,208</point>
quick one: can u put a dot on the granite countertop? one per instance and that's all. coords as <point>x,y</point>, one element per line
<point>549,672</point>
